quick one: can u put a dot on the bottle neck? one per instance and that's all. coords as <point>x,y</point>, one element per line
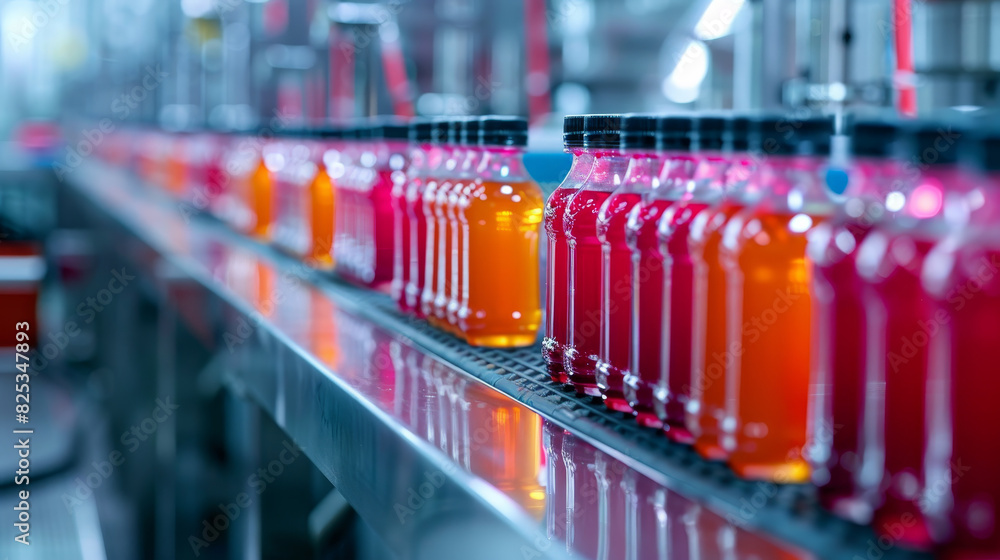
<point>795,183</point>
<point>580,168</point>
<point>709,179</point>
<point>502,164</point>
<point>643,173</point>
<point>608,171</point>
<point>676,174</point>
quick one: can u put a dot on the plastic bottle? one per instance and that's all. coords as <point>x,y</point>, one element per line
<point>557,278</point>
<point>710,351</point>
<point>769,313</point>
<point>645,360</point>
<point>464,183</point>
<point>638,143</point>
<point>839,319</point>
<point>500,220</point>
<point>401,230</point>
<point>602,137</point>
<point>390,158</point>
<point>438,153</point>
<point>901,327</point>
<point>448,181</point>
<point>962,274</point>
<point>673,393</point>
<point>420,149</point>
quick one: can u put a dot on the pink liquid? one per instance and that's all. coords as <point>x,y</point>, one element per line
<point>401,242</point>
<point>647,310</point>
<point>902,326</point>
<point>580,222</point>
<point>418,232</point>
<point>557,300</point>
<point>616,286</point>
<point>675,389</point>
<point>381,202</point>
<point>964,278</point>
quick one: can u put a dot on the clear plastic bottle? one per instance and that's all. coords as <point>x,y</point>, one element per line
<point>464,183</point>
<point>501,218</point>
<point>438,153</point>
<point>420,149</point>
<point>638,143</point>
<point>769,313</point>
<point>602,137</point>
<point>449,180</point>
<point>672,170</point>
<point>557,278</point>
<point>390,157</point>
<point>705,188</point>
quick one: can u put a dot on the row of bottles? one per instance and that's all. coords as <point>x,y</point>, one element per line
<point>717,278</point>
<point>440,212</point>
<point>468,218</point>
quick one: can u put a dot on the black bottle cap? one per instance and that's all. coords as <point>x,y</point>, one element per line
<point>390,128</point>
<point>573,131</point>
<point>364,130</point>
<point>469,133</point>
<point>455,131</point>
<point>792,135</point>
<point>711,132</point>
<point>873,137</point>
<point>933,142</point>
<point>638,132</point>
<point>420,131</point>
<point>739,133</point>
<point>503,131</point>
<point>673,132</point>
<point>439,130</point>
<point>329,132</point>
<point>602,131</point>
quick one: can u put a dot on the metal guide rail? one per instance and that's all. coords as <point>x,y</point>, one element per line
<point>789,513</point>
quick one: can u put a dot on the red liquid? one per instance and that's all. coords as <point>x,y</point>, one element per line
<point>418,241</point>
<point>583,516</point>
<point>711,355</point>
<point>381,201</point>
<point>557,299</point>
<point>965,280</point>
<point>616,287</point>
<point>431,246</point>
<point>901,327</point>
<point>580,222</point>
<point>675,390</point>
<point>647,309</point>
<point>613,506</point>
<point>838,379</point>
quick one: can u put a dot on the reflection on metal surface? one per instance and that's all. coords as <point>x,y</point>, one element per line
<point>437,462</point>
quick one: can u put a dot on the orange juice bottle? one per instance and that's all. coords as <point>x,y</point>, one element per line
<point>768,301</point>
<point>438,153</point>
<point>260,191</point>
<point>320,209</point>
<point>500,215</point>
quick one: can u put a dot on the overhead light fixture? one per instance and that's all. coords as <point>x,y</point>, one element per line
<point>717,20</point>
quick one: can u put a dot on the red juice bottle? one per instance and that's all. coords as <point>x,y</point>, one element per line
<point>901,327</point>
<point>839,320</point>
<point>583,516</point>
<point>638,142</point>
<point>961,274</point>
<point>420,151</point>
<point>390,163</point>
<point>668,181</point>
<point>601,136</point>
<point>449,181</point>
<point>464,184</point>
<point>710,351</point>
<point>705,188</point>
<point>557,277</point>
<point>769,318</point>
<point>437,155</point>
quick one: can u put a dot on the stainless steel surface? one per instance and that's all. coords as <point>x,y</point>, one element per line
<point>433,459</point>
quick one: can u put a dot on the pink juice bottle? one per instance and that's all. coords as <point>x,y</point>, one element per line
<point>710,350</point>
<point>901,328</point>
<point>464,183</point>
<point>401,228</point>
<point>638,142</point>
<point>420,152</point>
<point>557,277</point>
<point>839,320</point>
<point>449,181</point>
<point>961,274</point>
<point>601,136</point>
<point>645,359</point>
<point>704,189</point>
<point>390,162</point>
<point>438,153</point>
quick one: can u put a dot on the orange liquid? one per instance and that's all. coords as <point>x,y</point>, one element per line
<point>320,219</point>
<point>710,357</point>
<point>501,224</point>
<point>769,323</point>
<point>260,201</point>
